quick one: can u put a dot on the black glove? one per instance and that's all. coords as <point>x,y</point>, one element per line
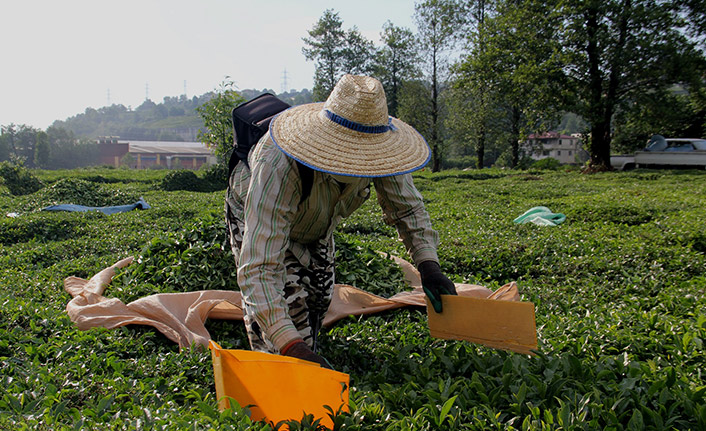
<point>300,350</point>
<point>435,283</point>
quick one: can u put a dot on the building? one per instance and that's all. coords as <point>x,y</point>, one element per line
<point>150,154</point>
<point>567,149</point>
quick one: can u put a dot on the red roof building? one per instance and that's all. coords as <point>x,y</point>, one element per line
<point>567,149</point>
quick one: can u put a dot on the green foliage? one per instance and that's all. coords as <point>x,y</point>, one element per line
<point>325,46</point>
<point>511,83</point>
<point>215,177</point>
<point>361,266</point>
<point>41,150</point>
<point>612,47</point>
<point>666,112</point>
<point>395,62</point>
<point>335,52</point>
<point>40,228</point>
<point>462,162</point>
<point>546,163</point>
<point>82,192</point>
<point>618,290</point>
<point>182,179</point>
<point>197,257</point>
<point>165,121</point>
<point>415,106</point>
<point>18,179</point>
<point>212,179</point>
<point>216,115</point>
<point>438,24</point>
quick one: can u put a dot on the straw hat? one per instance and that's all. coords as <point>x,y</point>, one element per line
<point>351,133</point>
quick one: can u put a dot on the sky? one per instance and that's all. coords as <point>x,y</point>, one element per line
<point>61,57</point>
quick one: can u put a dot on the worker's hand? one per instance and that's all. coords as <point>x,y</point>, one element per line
<point>300,350</point>
<point>435,283</point>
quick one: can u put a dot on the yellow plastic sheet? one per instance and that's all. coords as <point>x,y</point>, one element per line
<point>277,388</point>
<point>507,325</point>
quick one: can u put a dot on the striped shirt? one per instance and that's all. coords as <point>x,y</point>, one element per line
<point>269,195</point>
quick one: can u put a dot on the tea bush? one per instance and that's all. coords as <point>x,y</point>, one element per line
<point>547,163</point>
<point>198,257</point>
<point>181,180</point>
<point>213,178</point>
<point>82,192</point>
<point>618,291</point>
<point>18,179</point>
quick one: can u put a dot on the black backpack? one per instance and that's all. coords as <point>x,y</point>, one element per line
<point>251,120</point>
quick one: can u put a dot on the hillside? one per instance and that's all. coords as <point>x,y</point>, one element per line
<point>174,119</point>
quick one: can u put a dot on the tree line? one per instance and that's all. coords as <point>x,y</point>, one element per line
<point>479,76</point>
<point>72,143</point>
<point>475,79</point>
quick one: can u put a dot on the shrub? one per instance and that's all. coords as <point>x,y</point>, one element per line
<point>18,180</point>
<point>41,227</point>
<point>194,258</point>
<point>181,180</point>
<point>548,163</point>
<point>82,192</point>
<point>215,177</point>
<point>461,162</point>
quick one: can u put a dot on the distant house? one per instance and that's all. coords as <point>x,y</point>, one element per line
<point>149,154</point>
<point>566,149</point>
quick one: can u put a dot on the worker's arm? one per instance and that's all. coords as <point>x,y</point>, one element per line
<point>403,207</point>
<point>273,195</point>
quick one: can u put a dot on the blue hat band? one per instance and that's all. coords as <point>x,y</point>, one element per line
<point>352,125</point>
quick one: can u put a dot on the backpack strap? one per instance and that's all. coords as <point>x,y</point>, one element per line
<point>307,176</point>
<point>251,121</point>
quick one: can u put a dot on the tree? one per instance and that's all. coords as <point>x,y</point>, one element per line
<point>620,49</point>
<point>357,53</point>
<point>41,150</point>
<point>396,62</point>
<point>19,143</point>
<point>437,23</point>
<point>68,152</point>
<point>415,105</point>
<point>216,115</point>
<point>514,71</point>
<point>669,112</point>
<point>471,87</point>
<point>325,46</point>
<point>335,52</point>
<point>7,142</point>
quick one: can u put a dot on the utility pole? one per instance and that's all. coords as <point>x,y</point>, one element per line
<point>147,91</point>
<point>285,86</point>
<point>108,97</point>
<point>185,88</point>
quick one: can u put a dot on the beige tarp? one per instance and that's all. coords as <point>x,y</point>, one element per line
<point>181,316</point>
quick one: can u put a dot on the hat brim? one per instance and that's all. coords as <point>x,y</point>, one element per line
<point>305,134</point>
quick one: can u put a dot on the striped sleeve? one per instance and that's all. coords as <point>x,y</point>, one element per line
<point>403,207</point>
<point>271,202</point>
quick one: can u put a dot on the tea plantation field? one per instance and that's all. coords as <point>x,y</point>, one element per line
<point>619,290</point>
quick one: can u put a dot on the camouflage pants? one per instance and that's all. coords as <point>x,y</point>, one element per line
<point>307,290</point>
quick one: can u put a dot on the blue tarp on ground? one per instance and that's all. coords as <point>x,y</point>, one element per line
<point>141,204</point>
